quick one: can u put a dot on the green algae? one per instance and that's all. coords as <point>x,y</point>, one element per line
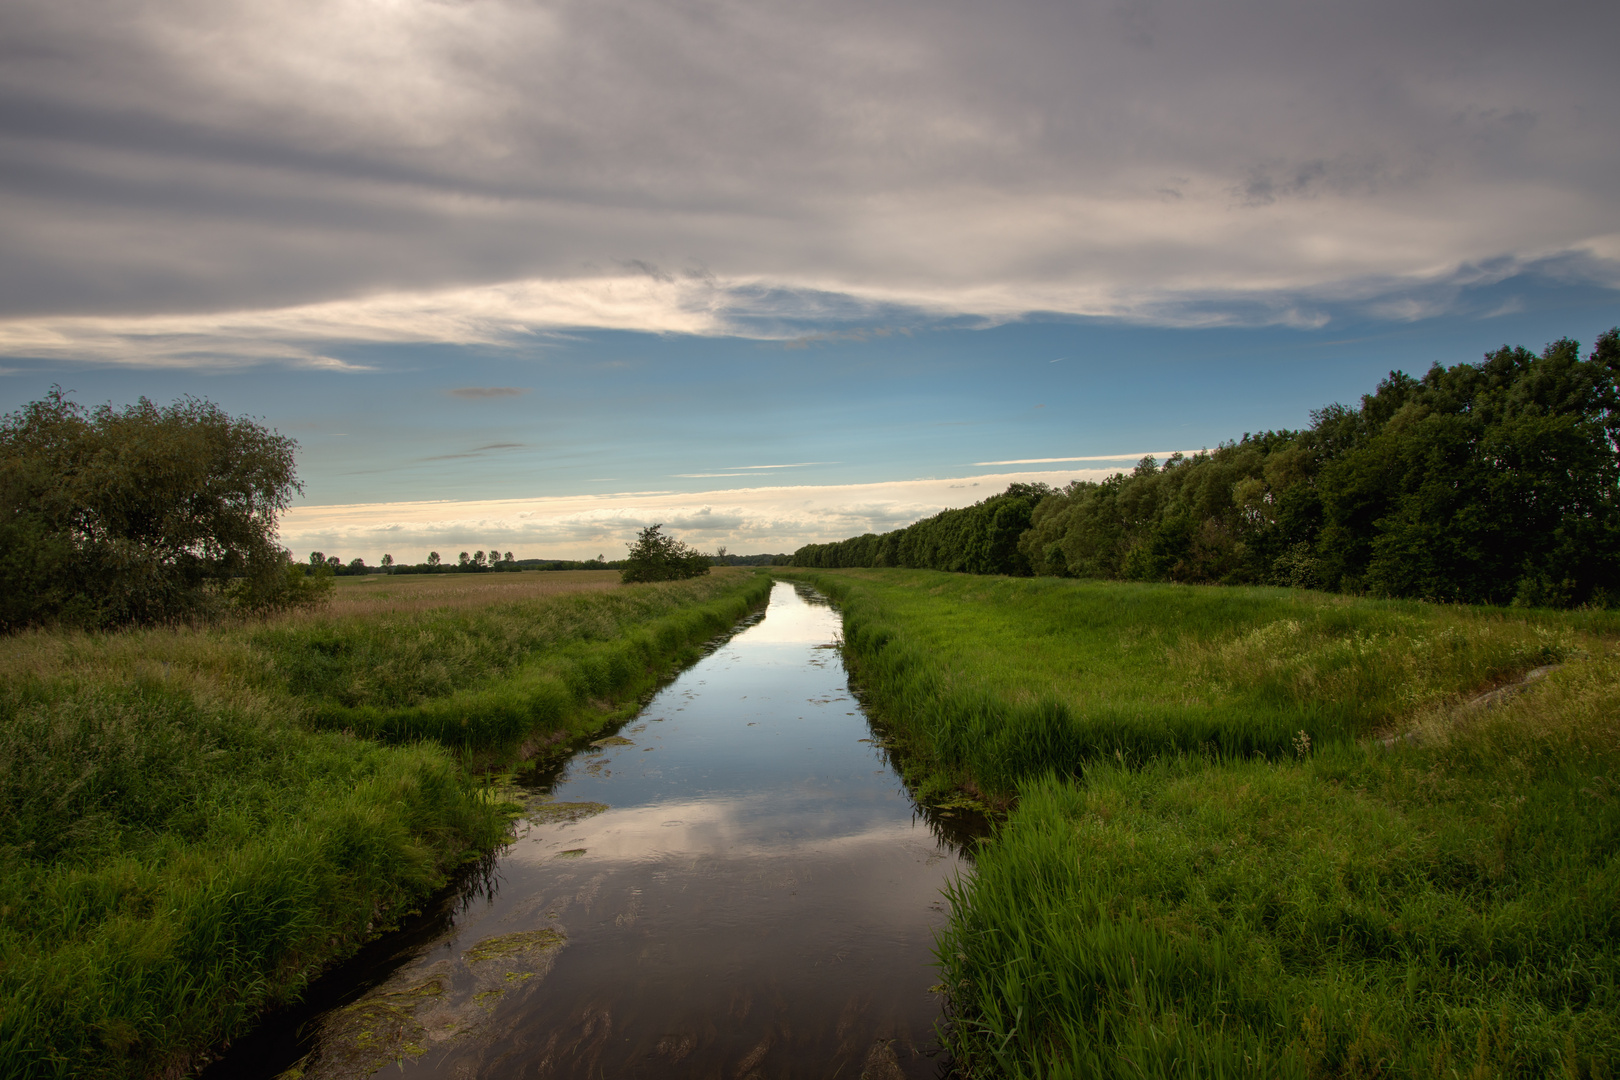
<point>378,1030</point>
<point>510,945</point>
<point>453,1001</point>
<point>571,853</point>
<point>612,740</point>
<point>567,813</point>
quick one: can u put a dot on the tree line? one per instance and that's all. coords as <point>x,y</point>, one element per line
<point>978,539</point>
<point>1496,482</point>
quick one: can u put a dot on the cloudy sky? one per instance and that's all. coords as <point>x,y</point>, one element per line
<point>532,274</point>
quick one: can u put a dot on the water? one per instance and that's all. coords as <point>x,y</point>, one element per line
<point>742,889</point>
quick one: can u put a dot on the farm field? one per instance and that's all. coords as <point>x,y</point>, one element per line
<point>375,594</point>
<point>195,821</point>
<point>1215,865</point>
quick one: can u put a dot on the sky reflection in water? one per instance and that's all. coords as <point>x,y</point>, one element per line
<point>758,900</point>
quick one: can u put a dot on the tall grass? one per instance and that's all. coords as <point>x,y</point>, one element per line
<point>1212,869</point>
<point>994,680</point>
<point>490,674</point>
<point>1445,909</point>
<point>192,822</point>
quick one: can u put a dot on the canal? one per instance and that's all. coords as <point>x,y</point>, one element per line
<point>734,884</point>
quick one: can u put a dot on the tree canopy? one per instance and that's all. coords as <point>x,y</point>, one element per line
<point>656,556</point>
<point>1493,482</point>
<point>978,539</point>
<point>142,514</point>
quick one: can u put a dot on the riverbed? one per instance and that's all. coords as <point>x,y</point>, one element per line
<point>736,883</point>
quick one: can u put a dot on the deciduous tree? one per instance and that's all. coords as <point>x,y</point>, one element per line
<point>142,514</point>
<point>656,556</point>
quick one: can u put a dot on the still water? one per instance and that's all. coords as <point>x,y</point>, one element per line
<point>734,885</point>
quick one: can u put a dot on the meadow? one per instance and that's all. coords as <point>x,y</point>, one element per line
<point>194,821</point>
<point>1260,831</point>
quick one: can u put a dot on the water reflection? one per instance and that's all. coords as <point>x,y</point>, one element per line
<point>739,886</point>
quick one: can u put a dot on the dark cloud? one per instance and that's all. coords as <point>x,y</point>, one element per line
<point>210,155</point>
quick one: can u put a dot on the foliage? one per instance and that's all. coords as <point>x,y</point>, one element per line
<point>1494,482</point>
<point>656,556</point>
<point>978,539</point>
<point>140,515</point>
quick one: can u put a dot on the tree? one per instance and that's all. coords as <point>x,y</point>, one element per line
<point>657,557</point>
<point>142,514</point>
<point>478,558</point>
<point>433,558</point>
<point>507,557</point>
<point>387,563</point>
<point>464,559</point>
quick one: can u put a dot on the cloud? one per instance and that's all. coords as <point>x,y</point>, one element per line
<point>479,393</point>
<point>791,465</point>
<point>477,451</point>
<point>747,520</point>
<point>219,182</point>
<point>1160,454</point>
<point>524,314</point>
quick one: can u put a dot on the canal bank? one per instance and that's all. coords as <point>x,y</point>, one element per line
<point>735,883</point>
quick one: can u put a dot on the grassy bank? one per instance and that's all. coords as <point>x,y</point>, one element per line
<point>1186,887</point>
<point>496,663</point>
<point>193,822</point>
<point>991,680</point>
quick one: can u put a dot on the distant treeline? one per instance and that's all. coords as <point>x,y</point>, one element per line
<point>1496,482</point>
<point>507,564</point>
<point>978,539</point>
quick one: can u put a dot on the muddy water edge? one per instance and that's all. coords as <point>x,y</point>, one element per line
<point>736,883</point>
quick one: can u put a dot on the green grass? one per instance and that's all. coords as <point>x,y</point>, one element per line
<point>1182,889</point>
<point>991,680</point>
<point>192,823</point>
<point>492,674</point>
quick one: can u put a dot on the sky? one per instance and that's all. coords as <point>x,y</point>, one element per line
<point>532,275</point>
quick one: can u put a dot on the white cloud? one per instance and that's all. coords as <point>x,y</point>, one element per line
<point>746,520</point>
<point>205,182</point>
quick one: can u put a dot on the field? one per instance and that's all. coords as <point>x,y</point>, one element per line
<point>1215,865</point>
<point>195,821</point>
<point>380,594</point>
